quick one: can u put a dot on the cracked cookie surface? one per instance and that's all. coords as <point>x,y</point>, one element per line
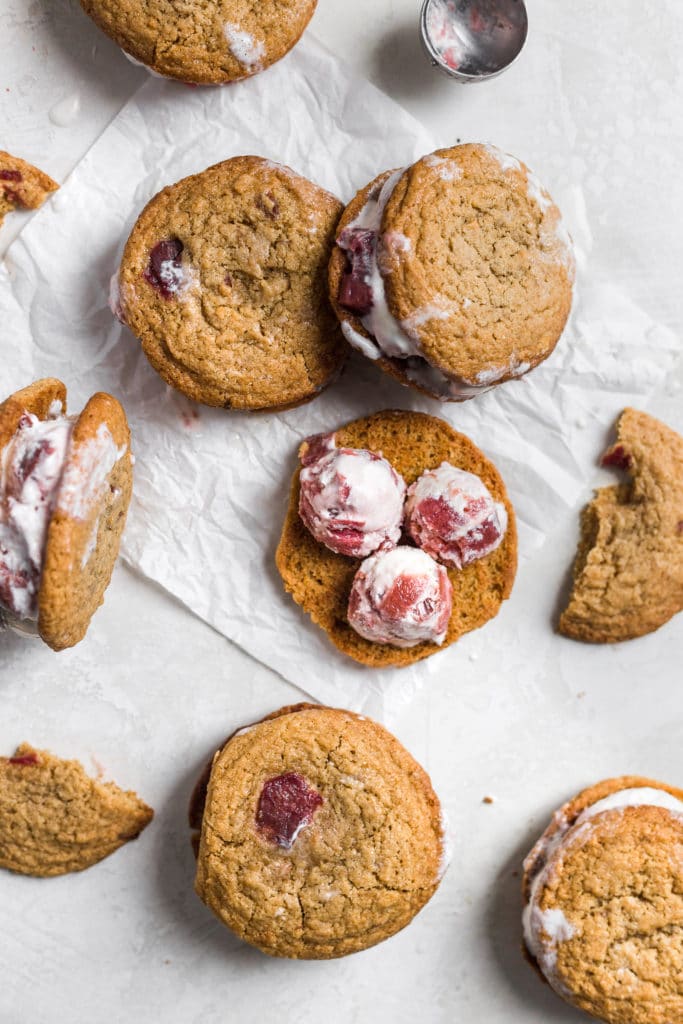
<point>628,573</point>
<point>55,819</point>
<point>223,281</point>
<point>608,897</point>
<point>203,41</point>
<point>367,852</point>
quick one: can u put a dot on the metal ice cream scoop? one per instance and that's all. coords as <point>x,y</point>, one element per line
<point>472,40</point>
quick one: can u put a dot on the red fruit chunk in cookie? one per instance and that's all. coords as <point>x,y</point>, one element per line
<point>24,759</point>
<point>164,270</point>
<point>286,805</point>
<point>617,457</point>
<point>355,292</point>
<point>11,176</point>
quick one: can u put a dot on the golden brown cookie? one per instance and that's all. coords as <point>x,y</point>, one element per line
<point>603,893</point>
<point>22,186</point>
<point>628,573</point>
<point>320,580</point>
<point>454,274</point>
<point>70,478</point>
<point>203,41</point>
<point>223,281</point>
<point>320,834</point>
<point>55,819</point>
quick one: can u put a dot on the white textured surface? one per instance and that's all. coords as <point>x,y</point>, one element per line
<point>152,689</point>
<point>202,520</point>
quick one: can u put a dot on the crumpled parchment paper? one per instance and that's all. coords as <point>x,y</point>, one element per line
<point>211,486</point>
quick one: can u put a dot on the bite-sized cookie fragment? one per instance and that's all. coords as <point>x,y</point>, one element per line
<point>55,819</point>
<point>65,487</point>
<point>351,500</point>
<point>454,274</point>
<point>628,573</point>
<point>603,894</point>
<point>451,515</point>
<point>401,597</point>
<point>223,280</point>
<point>320,580</point>
<point>22,186</point>
<point>210,42</point>
<point>320,834</point>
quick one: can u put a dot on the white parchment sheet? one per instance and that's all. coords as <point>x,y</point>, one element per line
<point>210,485</point>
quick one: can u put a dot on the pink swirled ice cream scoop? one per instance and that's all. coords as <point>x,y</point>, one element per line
<point>451,515</point>
<point>401,597</point>
<point>351,499</point>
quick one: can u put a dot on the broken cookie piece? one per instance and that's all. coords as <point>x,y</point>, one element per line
<point>628,573</point>
<point>22,186</point>
<point>55,819</point>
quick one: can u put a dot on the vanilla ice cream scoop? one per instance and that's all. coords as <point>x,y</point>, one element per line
<point>401,597</point>
<point>351,499</point>
<point>31,468</point>
<point>451,515</point>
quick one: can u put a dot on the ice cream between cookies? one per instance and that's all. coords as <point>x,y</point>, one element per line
<point>544,930</point>
<point>38,475</point>
<point>362,291</point>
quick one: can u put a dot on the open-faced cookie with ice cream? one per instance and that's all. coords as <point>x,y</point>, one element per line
<point>223,280</point>
<point>454,274</point>
<point>399,537</point>
<point>603,895</point>
<point>207,42</point>
<point>65,487</point>
<point>319,834</point>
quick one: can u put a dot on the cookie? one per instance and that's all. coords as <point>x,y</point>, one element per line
<point>603,893</point>
<point>65,487</point>
<point>320,580</point>
<point>22,186</point>
<point>223,281</point>
<point>455,274</point>
<point>55,819</point>
<point>320,834</point>
<point>628,573</point>
<point>209,42</point>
